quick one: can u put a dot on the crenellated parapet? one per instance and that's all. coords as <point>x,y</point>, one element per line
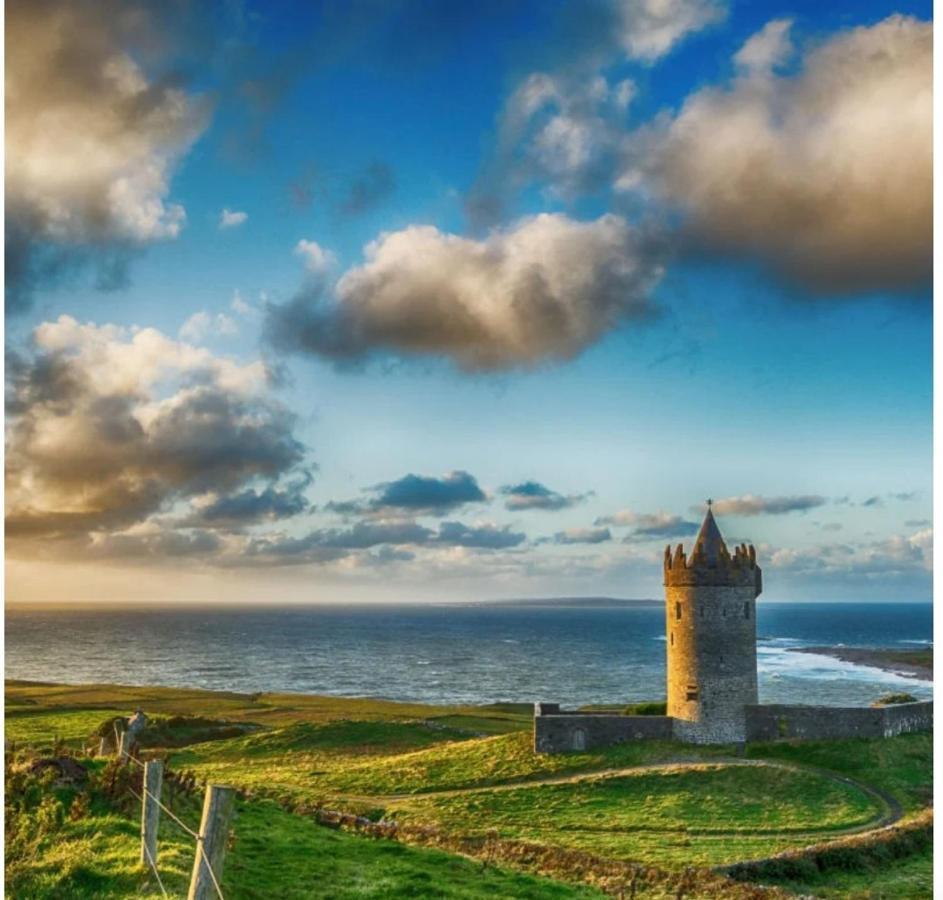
<point>720,568</point>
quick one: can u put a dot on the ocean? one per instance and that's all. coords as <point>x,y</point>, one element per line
<point>448,653</point>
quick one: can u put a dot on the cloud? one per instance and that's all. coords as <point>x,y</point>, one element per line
<point>752,505</point>
<point>482,537</point>
<point>240,305</point>
<point>648,526</point>
<point>415,494</point>
<point>91,139</point>
<point>823,175</point>
<point>109,428</point>
<point>153,544</point>
<point>583,536</point>
<point>768,49</point>
<point>251,506</point>
<point>873,501</point>
<point>533,495</point>
<point>897,556</point>
<point>543,289</point>
<point>331,544</point>
<point>202,324</point>
<point>369,189</point>
<point>430,494</point>
<point>232,218</point>
<point>317,260</point>
<point>652,28</point>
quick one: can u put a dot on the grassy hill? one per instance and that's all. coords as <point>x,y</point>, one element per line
<point>465,779</point>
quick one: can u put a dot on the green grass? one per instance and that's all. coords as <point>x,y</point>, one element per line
<point>273,853</point>
<point>902,766</point>
<point>305,860</point>
<point>903,879</point>
<point>35,725</point>
<point>672,818</point>
<point>267,709</point>
<point>401,760</point>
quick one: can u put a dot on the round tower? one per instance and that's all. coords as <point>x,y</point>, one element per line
<point>710,611</point>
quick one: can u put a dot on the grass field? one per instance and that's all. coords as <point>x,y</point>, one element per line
<point>672,818</point>
<point>466,771</point>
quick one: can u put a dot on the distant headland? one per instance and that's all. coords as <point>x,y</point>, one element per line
<point>570,602</point>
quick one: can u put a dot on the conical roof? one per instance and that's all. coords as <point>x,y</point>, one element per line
<point>709,541</point>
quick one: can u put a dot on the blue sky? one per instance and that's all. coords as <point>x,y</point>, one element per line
<point>747,317</point>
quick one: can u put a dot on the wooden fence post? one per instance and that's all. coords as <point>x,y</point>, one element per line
<point>218,805</point>
<point>150,811</point>
<point>102,746</point>
<point>124,746</point>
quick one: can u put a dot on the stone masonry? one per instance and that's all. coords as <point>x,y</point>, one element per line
<point>710,625</point>
<point>710,613</point>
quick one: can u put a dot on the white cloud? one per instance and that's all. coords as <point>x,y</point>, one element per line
<point>232,218</point>
<point>203,324</point>
<point>91,141</point>
<point>824,175</point>
<point>240,305</point>
<point>544,288</point>
<point>767,49</point>
<point>317,260</point>
<point>652,28</point>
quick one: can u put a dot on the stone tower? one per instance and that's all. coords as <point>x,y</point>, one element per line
<point>710,610</point>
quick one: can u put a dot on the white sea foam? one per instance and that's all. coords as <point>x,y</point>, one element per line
<point>776,659</point>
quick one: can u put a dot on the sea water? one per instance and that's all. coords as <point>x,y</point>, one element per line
<point>449,653</point>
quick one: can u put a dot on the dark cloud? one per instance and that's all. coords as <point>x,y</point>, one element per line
<point>484,537</point>
<point>370,534</point>
<point>541,290</point>
<point>415,494</point>
<point>251,506</point>
<point>326,545</point>
<point>583,536</point>
<point>369,189</point>
<point>752,505</point>
<point>438,494</point>
<point>873,501</point>
<point>534,495</point>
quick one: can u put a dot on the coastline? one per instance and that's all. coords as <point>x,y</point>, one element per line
<point>917,664</point>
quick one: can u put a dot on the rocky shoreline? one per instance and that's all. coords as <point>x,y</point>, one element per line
<point>912,663</point>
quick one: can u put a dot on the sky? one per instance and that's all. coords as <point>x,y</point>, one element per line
<point>415,301</point>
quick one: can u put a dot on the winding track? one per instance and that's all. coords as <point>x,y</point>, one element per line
<point>891,810</point>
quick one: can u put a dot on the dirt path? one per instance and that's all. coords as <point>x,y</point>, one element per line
<point>891,810</point>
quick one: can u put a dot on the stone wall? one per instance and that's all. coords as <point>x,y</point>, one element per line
<point>777,722</point>
<point>902,718</point>
<point>559,731</point>
<point>562,731</point>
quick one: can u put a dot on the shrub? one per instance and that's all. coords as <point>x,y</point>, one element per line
<point>894,699</point>
<point>649,708</point>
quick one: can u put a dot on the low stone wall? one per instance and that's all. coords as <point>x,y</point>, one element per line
<point>902,718</point>
<point>559,731</point>
<point>777,722</point>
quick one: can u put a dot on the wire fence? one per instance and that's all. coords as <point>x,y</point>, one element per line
<point>196,836</point>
